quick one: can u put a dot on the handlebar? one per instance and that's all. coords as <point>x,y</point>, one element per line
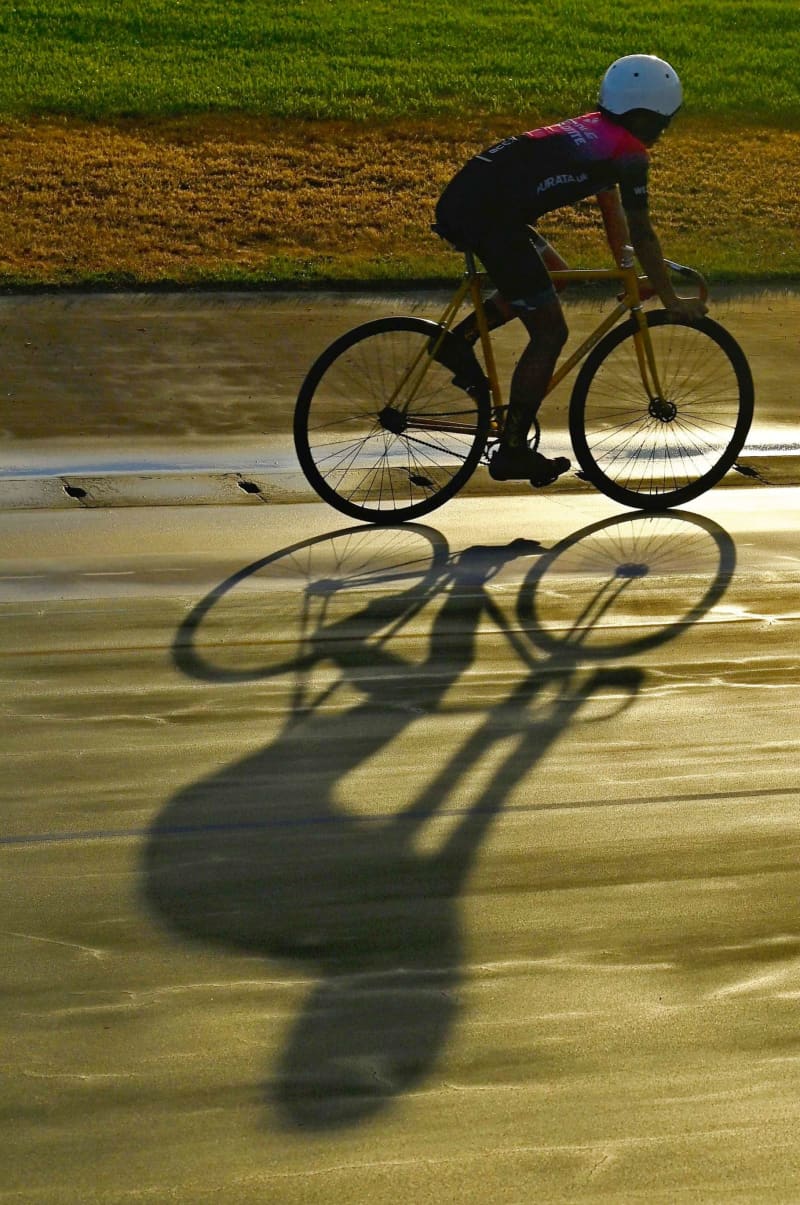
<point>689,274</point>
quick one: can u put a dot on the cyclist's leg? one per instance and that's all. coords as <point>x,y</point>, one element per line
<point>460,215</point>
<point>517,259</point>
<point>497,310</point>
<point>545,324</point>
<point>510,256</point>
<point>513,260</point>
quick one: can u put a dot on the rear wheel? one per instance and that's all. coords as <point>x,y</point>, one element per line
<point>654,453</point>
<point>335,595</point>
<point>380,430</point>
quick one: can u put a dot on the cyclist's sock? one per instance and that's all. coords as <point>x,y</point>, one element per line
<point>516,430</point>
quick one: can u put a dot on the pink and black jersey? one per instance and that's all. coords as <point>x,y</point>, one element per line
<point>583,156</point>
<point>527,175</point>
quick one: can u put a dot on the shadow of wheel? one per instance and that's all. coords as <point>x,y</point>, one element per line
<point>630,583</point>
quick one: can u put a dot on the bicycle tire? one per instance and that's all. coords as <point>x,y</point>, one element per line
<point>618,576</point>
<point>337,574</point>
<point>656,454</point>
<point>352,458</point>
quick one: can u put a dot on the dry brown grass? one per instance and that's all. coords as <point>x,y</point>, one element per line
<point>236,198</point>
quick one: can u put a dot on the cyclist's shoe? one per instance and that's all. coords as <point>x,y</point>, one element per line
<point>459,357</point>
<point>548,470</point>
<point>520,464</point>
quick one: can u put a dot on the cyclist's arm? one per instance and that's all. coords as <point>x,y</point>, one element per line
<point>615,222</point>
<point>648,252</point>
<point>617,232</point>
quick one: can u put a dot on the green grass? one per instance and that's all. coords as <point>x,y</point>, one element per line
<point>377,59</point>
<point>285,211</point>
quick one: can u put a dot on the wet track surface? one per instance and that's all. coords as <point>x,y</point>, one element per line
<point>450,862</point>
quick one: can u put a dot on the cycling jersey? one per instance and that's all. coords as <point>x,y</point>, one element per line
<point>530,174</point>
<point>492,202</point>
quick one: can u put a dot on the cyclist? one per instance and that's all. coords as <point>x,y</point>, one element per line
<point>491,207</point>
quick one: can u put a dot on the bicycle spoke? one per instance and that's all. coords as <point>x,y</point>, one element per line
<point>630,572</point>
<point>374,424</point>
<point>662,450</point>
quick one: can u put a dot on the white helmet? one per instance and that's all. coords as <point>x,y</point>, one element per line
<point>641,81</point>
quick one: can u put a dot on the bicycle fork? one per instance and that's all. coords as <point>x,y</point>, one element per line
<point>660,407</point>
<point>629,302</point>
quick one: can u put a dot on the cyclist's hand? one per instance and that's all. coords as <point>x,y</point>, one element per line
<point>690,308</point>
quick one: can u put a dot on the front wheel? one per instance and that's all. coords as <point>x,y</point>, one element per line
<point>654,453</point>
<point>380,430</point>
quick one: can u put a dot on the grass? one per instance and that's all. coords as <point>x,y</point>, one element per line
<point>238,200</point>
<point>254,141</point>
<point>376,59</point>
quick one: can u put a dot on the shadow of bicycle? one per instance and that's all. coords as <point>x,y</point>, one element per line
<point>264,856</point>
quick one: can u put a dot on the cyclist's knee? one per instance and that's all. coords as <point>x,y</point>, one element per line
<point>546,326</point>
<point>558,331</point>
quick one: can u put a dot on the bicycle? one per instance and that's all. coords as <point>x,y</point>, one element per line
<point>658,414</point>
<point>347,595</point>
<point>340,853</point>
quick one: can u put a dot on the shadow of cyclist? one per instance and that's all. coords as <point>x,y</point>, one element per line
<point>263,858</point>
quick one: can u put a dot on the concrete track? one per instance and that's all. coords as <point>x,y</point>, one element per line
<point>450,862</point>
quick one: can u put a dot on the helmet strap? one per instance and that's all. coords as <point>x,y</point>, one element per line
<point>644,124</point>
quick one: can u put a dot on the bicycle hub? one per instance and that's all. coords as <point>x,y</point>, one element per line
<point>392,420</point>
<point>663,410</point>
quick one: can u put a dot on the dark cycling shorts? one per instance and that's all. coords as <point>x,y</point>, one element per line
<point>510,256</point>
<point>470,216</point>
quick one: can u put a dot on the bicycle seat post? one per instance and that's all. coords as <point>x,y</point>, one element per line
<point>473,283</point>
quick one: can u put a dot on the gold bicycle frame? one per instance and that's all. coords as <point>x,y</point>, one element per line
<point>472,284</point>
